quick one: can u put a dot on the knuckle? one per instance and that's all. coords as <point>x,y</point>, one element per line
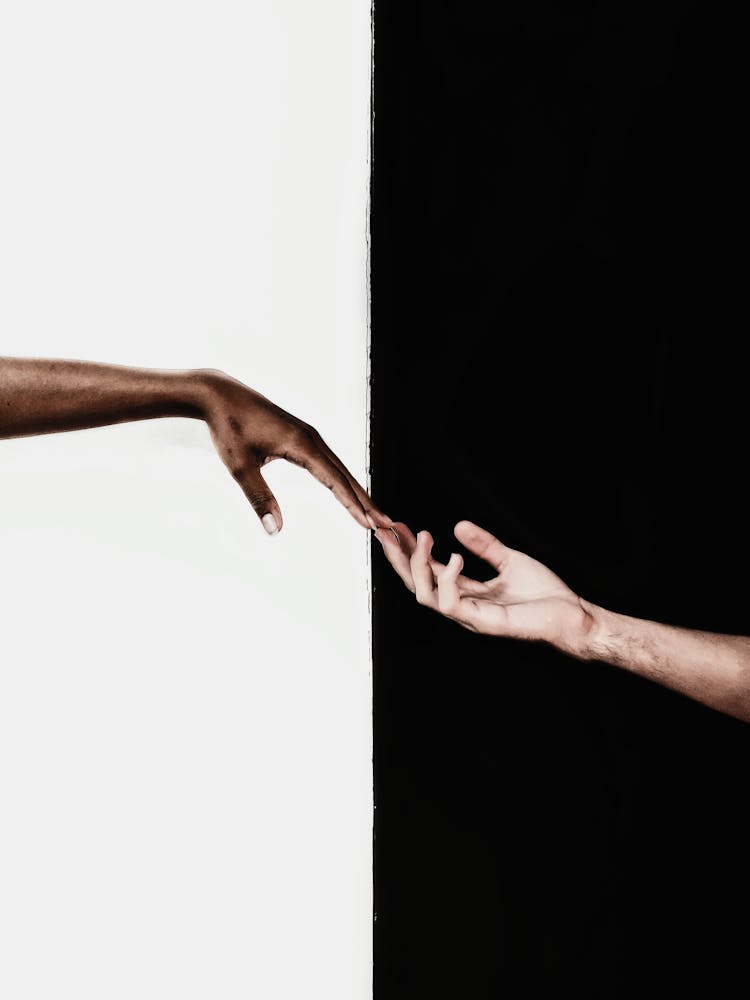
<point>257,497</point>
<point>238,470</point>
<point>299,439</point>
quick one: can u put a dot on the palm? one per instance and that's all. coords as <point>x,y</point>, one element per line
<point>524,600</point>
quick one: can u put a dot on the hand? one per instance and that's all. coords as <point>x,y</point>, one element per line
<point>525,600</point>
<point>249,431</point>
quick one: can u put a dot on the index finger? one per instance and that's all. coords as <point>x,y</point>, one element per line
<point>324,470</point>
<point>375,516</point>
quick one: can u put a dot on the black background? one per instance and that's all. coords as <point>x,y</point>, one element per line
<point>558,322</point>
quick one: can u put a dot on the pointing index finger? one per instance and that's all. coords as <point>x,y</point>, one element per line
<point>375,516</point>
<point>324,470</point>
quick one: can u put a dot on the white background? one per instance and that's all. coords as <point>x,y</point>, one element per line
<point>185,746</point>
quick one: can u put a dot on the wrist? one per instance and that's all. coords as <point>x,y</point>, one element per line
<point>591,638</point>
<point>202,388</point>
<point>579,633</point>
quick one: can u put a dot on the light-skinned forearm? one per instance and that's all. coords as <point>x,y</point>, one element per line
<point>710,667</point>
<point>44,396</point>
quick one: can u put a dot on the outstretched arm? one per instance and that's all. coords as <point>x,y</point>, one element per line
<point>526,600</point>
<point>248,430</point>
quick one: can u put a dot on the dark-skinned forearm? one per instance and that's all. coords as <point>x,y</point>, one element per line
<point>44,396</point>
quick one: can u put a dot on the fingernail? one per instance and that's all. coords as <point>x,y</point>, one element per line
<point>269,523</point>
<point>379,538</point>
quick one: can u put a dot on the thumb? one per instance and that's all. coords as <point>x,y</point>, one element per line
<point>482,544</point>
<point>261,498</point>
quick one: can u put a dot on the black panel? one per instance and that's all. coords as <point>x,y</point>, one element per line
<point>558,354</point>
